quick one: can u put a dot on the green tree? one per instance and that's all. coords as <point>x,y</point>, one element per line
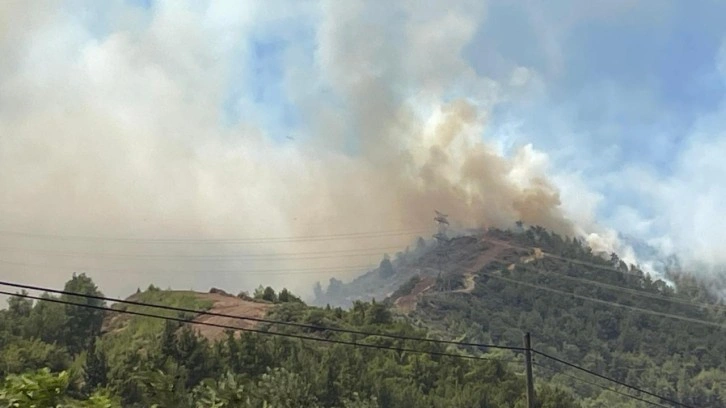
<point>82,323</point>
<point>378,313</point>
<point>265,293</point>
<point>549,397</point>
<point>226,392</point>
<point>96,368</point>
<point>169,341</point>
<point>19,309</point>
<point>20,306</point>
<point>45,389</point>
<point>165,387</point>
<point>269,295</point>
<point>280,388</point>
<point>285,296</point>
<point>47,321</point>
<point>32,354</point>
<point>357,402</point>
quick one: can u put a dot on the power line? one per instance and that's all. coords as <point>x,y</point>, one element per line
<point>617,287</point>
<point>259,320</point>
<point>601,301</point>
<point>632,387</point>
<point>241,271</point>
<point>207,258</point>
<point>642,293</point>
<point>607,302</point>
<point>306,255</point>
<point>632,291</point>
<point>362,252</point>
<point>315,327</point>
<point>280,239</point>
<point>611,269</point>
<point>288,335</point>
<point>599,385</point>
<point>320,270</point>
<point>266,256</point>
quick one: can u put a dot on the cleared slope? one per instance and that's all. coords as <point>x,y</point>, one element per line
<point>121,325</point>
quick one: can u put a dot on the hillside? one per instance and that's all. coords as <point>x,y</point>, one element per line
<point>484,287</point>
<point>580,306</point>
<point>461,256</point>
<point>216,301</point>
<point>55,354</point>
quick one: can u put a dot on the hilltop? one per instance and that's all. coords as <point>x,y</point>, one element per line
<point>215,301</point>
<point>460,256</point>
<point>493,286</point>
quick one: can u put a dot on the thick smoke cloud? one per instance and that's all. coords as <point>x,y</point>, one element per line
<point>117,131</point>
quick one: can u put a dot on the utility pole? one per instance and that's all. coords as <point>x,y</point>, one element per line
<point>528,367</point>
<point>441,238</point>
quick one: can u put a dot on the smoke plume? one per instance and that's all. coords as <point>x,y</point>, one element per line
<point>116,159</point>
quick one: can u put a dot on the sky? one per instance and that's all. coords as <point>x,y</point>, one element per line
<point>192,144</point>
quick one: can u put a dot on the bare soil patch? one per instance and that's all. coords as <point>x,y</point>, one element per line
<point>229,305</point>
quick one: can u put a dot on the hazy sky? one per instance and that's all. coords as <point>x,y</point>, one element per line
<point>137,138</point>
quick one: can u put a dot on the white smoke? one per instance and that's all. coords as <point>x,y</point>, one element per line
<point>120,134</point>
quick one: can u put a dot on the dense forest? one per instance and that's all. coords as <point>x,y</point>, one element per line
<point>590,309</point>
<point>59,355</point>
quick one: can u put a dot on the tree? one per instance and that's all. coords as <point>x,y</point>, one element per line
<point>44,389</point>
<point>193,354</point>
<point>33,354</point>
<point>269,295</point>
<point>226,392</point>
<point>420,245</point>
<point>378,313</point>
<point>148,363</point>
<point>280,388</point>
<point>41,388</point>
<point>358,402</point>
<point>318,291</point>
<point>82,323</point>
<point>286,296</point>
<point>165,388</point>
<point>334,287</point>
<point>96,368</point>
<point>548,397</point>
<point>20,306</point>
<point>47,321</point>
<point>19,309</point>
<point>265,293</point>
<point>169,340</point>
<point>385,269</point>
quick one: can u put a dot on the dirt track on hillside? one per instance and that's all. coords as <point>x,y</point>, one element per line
<point>467,268</point>
<point>407,303</point>
<point>481,261</point>
<point>229,305</point>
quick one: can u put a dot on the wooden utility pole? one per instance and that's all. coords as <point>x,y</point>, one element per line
<point>528,366</point>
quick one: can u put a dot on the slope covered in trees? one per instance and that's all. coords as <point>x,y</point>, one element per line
<point>490,288</point>
<point>586,308</point>
<point>67,356</point>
